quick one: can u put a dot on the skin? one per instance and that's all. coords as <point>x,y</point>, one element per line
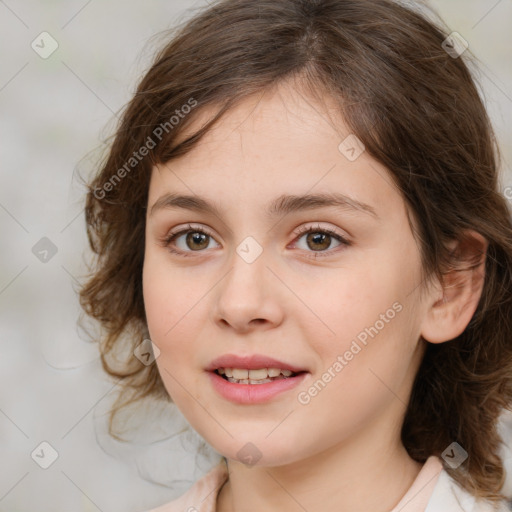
<point>342,450</point>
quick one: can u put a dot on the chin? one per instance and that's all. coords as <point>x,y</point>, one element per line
<point>259,453</point>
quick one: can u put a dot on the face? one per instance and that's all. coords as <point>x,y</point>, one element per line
<point>330,290</point>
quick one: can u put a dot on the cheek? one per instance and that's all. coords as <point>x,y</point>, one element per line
<point>170,330</point>
<point>168,295</point>
<point>350,302</point>
<point>157,302</point>
<point>368,318</point>
<point>371,354</point>
<point>357,381</point>
<point>168,304</point>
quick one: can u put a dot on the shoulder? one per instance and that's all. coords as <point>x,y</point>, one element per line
<point>449,496</point>
<point>202,496</point>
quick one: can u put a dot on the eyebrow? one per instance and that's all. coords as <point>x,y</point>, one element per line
<point>282,205</point>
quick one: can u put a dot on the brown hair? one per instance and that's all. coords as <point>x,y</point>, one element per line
<point>416,109</point>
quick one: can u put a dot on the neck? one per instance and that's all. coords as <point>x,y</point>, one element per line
<point>369,473</point>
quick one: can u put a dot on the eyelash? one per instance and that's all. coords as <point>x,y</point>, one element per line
<point>168,239</point>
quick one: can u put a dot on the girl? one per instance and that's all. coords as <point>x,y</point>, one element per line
<point>301,211</point>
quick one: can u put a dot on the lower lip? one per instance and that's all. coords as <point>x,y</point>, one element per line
<point>253,393</point>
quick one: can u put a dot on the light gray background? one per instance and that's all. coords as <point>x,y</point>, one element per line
<point>53,112</point>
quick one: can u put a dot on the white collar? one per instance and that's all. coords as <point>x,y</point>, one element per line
<point>448,496</point>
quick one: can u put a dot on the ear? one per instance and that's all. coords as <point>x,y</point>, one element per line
<point>451,309</point>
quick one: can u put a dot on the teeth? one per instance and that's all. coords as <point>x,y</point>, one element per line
<point>273,372</point>
<point>250,381</point>
<point>259,376</point>
<point>240,374</point>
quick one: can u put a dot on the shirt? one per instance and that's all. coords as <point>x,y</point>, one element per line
<point>433,490</point>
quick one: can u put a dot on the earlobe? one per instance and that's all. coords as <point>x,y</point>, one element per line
<point>451,309</point>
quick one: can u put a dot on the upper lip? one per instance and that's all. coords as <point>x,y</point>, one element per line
<point>251,362</point>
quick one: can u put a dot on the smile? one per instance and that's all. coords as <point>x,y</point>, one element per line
<point>250,390</point>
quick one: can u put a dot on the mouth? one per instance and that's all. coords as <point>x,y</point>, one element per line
<point>243,386</point>
<point>253,378</point>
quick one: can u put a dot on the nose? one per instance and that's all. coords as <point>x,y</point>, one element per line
<point>249,296</point>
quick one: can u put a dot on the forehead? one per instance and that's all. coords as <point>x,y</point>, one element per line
<point>273,143</point>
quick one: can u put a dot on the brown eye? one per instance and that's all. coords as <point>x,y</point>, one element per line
<point>318,241</point>
<point>195,240</point>
<point>198,239</point>
<point>188,241</point>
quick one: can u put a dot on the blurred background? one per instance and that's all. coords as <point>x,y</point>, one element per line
<point>66,70</point>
